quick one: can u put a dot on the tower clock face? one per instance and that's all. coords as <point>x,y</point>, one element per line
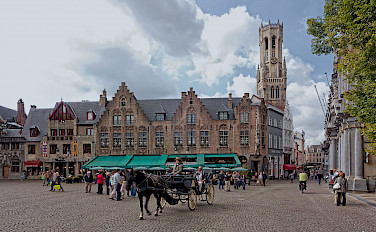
<point>273,60</point>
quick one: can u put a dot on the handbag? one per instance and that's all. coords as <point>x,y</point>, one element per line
<point>336,186</point>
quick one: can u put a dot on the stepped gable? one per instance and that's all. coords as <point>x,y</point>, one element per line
<point>7,114</point>
<point>37,118</point>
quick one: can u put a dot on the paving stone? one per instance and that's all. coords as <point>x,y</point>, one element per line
<point>29,206</point>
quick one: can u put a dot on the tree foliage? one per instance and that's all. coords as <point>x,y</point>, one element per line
<point>349,28</point>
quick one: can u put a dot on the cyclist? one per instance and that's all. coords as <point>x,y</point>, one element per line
<point>303,179</point>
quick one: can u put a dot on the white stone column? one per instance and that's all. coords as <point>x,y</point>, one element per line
<point>333,154</point>
<point>358,155</point>
<point>343,151</point>
<point>347,152</point>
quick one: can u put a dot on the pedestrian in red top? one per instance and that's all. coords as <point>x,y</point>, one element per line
<point>100,182</point>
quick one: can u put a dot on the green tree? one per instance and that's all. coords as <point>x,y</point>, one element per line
<point>348,27</point>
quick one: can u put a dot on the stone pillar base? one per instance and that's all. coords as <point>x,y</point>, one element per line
<point>358,184</point>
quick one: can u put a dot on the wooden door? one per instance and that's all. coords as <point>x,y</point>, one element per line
<point>6,172</point>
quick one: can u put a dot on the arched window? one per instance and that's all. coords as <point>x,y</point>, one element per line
<point>277,92</point>
<point>266,43</point>
<point>272,92</point>
<point>273,43</point>
<point>122,104</point>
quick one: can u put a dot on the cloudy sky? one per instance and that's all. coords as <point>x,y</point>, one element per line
<point>72,50</point>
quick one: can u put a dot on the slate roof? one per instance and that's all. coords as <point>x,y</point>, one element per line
<point>8,114</point>
<point>38,118</point>
<point>12,133</point>
<point>79,109</point>
<point>212,105</point>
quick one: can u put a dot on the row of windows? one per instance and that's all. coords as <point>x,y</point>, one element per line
<point>315,160</point>
<point>10,146</point>
<point>86,148</point>
<point>129,120</point>
<point>62,132</point>
<point>178,139</point>
<point>277,144</point>
<point>274,122</point>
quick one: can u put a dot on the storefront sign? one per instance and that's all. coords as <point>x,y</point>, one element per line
<point>75,148</point>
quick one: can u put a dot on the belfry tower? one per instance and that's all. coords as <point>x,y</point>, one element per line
<point>272,72</point>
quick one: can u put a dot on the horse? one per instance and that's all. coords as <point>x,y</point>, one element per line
<point>146,185</point>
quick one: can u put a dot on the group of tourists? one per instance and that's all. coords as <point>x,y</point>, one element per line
<point>224,180</point>
<point>340,186</point>
<point>52,179</point>
<point>117,184</point>
<point>260,178</point>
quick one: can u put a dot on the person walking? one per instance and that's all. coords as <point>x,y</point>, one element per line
<point>341,192</point>
<point>242,181</point>
<point>319,177</point>
<point>100,182</point>
<point>260,178</point>
<point>48,178</point>
<point>291,177</point>
<point>129,180</point>
<point>221,178</point>
<point>108,175</point>
<point>117,183</point>
<point>53,180</point>
<point>58,182</point>
<point>43,177</point>
<point>264,177</point>
<point>235,179</point>
<point>88,181</point>
<point>227,181</point>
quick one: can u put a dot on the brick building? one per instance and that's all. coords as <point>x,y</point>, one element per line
<point>315,156</point>
<point>189,125</point>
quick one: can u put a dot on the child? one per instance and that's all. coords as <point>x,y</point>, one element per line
<point>122,190</point>
<point>133,190</point>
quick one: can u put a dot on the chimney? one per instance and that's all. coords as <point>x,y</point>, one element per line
<point>21,116</point>
<point>230,100</point>
<point>103,98</point>
<point>246,95</point>
<point>33,106</point>
<point>183,94</point>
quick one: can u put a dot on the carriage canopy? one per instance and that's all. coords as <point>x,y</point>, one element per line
<point>150,161</point>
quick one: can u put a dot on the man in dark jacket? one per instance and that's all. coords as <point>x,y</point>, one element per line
<point>108,176</point>
<point>88,181</point>
<point>264,177</point>
<point>221,178</point>
<point>129,180</point>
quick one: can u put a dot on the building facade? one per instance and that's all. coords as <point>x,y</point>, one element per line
<point>275,144</point>
<point>288,135</point>
<point>189,125</point>
<point>315,156</point>
<point>344,140</point>
<point>12,143</point>
<point>272,73</point>
<point>61,138</point>
<point>299,152</point>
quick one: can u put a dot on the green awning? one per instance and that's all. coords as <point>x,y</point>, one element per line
<point>108,161</point>
<point>147,161</point>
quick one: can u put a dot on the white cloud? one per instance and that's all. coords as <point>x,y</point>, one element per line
<point>298,71</point>
<point>242,84</point>
<point>305,106</point>
<point>228,41</point>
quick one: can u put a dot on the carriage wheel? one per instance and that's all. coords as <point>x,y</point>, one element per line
<point>210,194</point>
<point>163,202</point>
<point>192,199</point>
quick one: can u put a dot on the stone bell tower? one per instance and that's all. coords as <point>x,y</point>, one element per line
<point>272,72</point>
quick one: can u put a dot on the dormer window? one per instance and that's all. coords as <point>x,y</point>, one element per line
<point>34,131</point>
<point>90,115</point>
<point>160,117</point>
<point>223,115</point>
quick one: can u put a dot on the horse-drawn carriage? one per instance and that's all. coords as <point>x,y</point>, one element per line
<point>186,188</point>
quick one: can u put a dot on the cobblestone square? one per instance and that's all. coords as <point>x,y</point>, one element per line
<point>29,206</point>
